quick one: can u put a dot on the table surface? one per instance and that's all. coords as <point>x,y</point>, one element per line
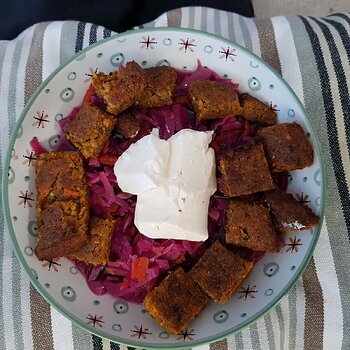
<point>313,55</point>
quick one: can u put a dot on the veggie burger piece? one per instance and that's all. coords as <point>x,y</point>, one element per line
<point>212,99</point>
<point>257,111</point>
<point>90,130</point>
<point>96,250</point>
<point>161,83</point>
<point>128,125</point>
<point>249,225</point>
<point>175,302</point>
<point>245,171</point>
<point>62,205</point>
<point>122,88</point>
<point>219,272</point>
<point>287,147</point>
<point>288,213</point>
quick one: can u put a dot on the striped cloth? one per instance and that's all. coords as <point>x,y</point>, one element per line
<point>313,56</point>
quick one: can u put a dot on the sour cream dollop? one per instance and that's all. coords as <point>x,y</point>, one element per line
<point>173,180</point>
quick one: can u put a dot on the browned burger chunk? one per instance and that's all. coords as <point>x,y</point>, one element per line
<point>289,214</point>
<point>122,88</point>
<point>160,87</point>
<point>60,176</point>
<point>245,171</point>
<point>127,125</point>
<point>96,250</point>
<point>249,225</point>
<point>287,147</point>
<point>175,302</point>
<point>62,229</point>
<point>257,111</point>
<point>62,204</point>
<point>219,272</point>
<point>212,99</point>
<point>90,130</point>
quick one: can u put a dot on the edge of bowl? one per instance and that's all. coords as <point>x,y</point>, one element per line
<point>130,342</point>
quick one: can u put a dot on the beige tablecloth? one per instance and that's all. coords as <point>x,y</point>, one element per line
<point>313,55</point>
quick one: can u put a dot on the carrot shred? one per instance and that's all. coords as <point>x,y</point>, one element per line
<point>123,285</point>
<point>105,147</point>
<point>139,269</point>
<point>106,159</point>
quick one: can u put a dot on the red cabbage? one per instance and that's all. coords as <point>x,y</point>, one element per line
<point>201,73</point>
<point>63,123</point>
<point>37,147</point>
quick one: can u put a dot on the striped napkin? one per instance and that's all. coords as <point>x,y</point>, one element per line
<point>313,56</point>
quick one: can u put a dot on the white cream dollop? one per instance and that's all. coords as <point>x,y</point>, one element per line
<point>143,165</point>
<point>173,192</point>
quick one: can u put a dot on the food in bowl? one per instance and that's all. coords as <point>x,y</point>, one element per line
<point>244,217</point>
<point>62,206</point>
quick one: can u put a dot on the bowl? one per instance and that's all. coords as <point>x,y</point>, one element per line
<point>58,280</point>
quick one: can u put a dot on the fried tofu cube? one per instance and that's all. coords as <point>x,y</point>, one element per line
<point>288,213</point>
<point>90,130</point>
<point>60,176</point>
<point>175,302</point>
<point>219,272</point>
<point>249,225</point>
<point>96,250</point>
<point>212,99</point>
<point>62,206</point>
<point>62,227</point>
<point>127,125</point>
<point>161,82</point>
<point>245,171</point>
<point>286,147</point>
<point>121,89</point>
<point>257,111</point>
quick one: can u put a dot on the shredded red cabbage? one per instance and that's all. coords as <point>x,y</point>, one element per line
<point>106,198</point>
<point>63,123</point>
<point>201,73</point>
<point>37,147</point>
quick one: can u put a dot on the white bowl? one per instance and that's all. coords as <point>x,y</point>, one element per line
<point>59,281</point>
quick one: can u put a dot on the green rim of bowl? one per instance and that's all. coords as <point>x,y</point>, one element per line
<point>116,339</point>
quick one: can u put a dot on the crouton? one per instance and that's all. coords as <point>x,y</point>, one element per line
<point>257,111</point>
<point>60,176</point>
<point>90,130</point>
<point>249,225</point>
<point>245,171</point>
<point>122,88</point>
<point>127,125</point>
<point>289,214</point>
<point>286,147</point>
<point>161,82</point>
<point>175,302</point>
<point>62,206</point>
<point>96,250</point>
<point>62,227</point>
<point>212,99</point>
<point>219,272</point>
